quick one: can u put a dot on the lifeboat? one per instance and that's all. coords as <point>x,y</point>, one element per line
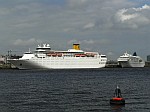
<point>80,55</point>
<point>90,54</point>
<point>117,99</point>
<point>59,55</point>
<point>54,54</point>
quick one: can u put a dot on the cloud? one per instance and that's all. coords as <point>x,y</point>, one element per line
<point>4,11</point>
<point>20,42</point>
<point>144,7</point>
<point>121,16</point>
<point>76,2</point>
<point>89,26</point>
<point>133,17</point>
<point>107,25</point>
<point>70,42</point>
<point>90,42</point>
<point>110,53</point>
<point>88,15</point>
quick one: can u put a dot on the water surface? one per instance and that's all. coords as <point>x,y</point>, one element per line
<point>87,90</point>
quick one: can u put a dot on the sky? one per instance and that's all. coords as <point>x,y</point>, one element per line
<point>110,27</point>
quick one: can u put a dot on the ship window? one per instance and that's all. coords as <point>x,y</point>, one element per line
<point>103,56</point>
<point>20,64</point>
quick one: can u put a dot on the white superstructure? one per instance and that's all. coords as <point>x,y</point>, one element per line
<point>45,58</point>
<point>128,60</point>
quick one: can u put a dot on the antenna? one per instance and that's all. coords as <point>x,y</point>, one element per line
<point>29,50</point>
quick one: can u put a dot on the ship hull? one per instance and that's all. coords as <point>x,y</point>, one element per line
<point>127,64</point>
<point>58,63</point>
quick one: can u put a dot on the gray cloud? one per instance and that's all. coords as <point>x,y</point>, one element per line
<point>134,17</point>
<point>29,42</point>
<point>110,26</point>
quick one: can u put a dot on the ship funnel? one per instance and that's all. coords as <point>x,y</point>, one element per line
<point>76,46</point>
<point>134,54</point>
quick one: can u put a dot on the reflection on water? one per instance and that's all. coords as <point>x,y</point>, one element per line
<point>117,108</point>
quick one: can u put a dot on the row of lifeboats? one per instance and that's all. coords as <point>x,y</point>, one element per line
<point>84,55</point>
<point>55,54</point>
<point>75,55</point>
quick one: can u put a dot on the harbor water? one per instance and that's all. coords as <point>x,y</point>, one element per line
<point>84,90</point>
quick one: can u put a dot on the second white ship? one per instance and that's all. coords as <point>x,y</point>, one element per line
<point>128,60</point>
<point>45,58</point>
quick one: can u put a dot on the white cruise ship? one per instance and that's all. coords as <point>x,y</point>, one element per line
<point>128,60</point>
<point>45,58</point>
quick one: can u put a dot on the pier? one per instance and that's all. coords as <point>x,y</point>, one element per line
<point>112,64</point>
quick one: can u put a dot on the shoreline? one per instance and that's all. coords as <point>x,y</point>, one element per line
<point>9,66</point>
